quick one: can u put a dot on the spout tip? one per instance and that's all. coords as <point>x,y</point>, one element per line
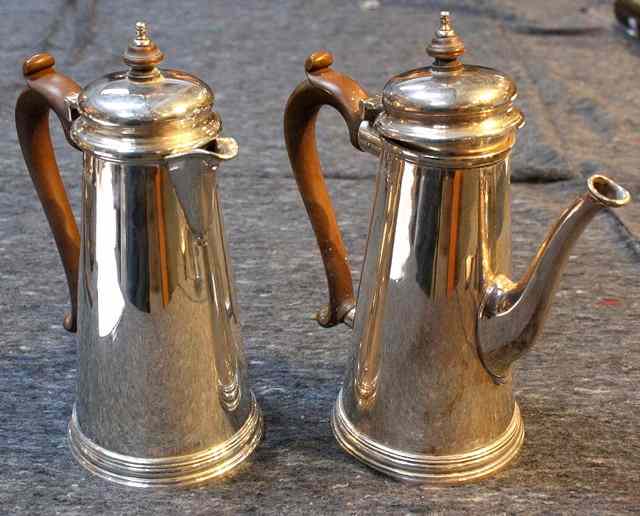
<point>607,192</point>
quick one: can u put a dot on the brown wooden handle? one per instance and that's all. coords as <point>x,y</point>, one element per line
<point>323,86</point>
<point>47,89</point>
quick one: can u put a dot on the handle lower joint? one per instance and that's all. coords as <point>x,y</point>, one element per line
<point>345,313</point>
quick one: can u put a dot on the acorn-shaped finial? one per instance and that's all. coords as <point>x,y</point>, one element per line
<point>142,55</point>
<point>446,46</point>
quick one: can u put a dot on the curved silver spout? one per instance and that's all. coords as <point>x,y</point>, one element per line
<point>512,314</point>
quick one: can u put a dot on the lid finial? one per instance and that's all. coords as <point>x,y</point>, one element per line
<point>142,36</point>
<point>142,55</point>
<point>445,24</point>
<point>446,46</point>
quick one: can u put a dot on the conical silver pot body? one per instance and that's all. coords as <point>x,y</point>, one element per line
<point>162,392</point>
<point>417,402</point>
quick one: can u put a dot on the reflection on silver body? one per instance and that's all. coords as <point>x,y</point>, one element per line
<point>162,374</point>
<point>162,392</point>
<point>416,402</point>
<point>428,396</point>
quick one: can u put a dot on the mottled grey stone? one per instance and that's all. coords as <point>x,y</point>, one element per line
<point>577,390</point>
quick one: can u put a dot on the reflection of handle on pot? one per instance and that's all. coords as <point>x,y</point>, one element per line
<point>323,86</point>
<point>48,89</point>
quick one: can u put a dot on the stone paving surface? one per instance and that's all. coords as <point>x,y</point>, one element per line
<point>577,75</point>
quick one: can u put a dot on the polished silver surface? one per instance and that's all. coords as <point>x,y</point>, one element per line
<point>426,92</point>
<point>425,468</point>
<point>428,394</point>
<point>193,468</point>
<point>438,323</point>
<point>369,139</point>
<point>448,109</point>
<point>162,394</point>
<point>162,373</point>
<point>512,314</point>
<point>144,112</point>
<point>415,383</point>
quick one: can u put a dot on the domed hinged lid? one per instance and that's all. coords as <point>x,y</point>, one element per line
<point>450,110</point>
<point>144,112</point>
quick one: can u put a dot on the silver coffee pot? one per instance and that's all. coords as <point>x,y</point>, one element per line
<point>162,394</point>
<point>438,323</point>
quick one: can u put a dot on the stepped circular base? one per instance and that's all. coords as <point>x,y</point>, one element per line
<point>429,469</point>
<point>180,470</point>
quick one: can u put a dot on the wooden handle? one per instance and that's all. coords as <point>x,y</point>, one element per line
<point>47,89</point>
<point>323,86</point>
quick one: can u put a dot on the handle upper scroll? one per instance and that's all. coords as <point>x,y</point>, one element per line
<point>46,90</point>
<point>323,86</point>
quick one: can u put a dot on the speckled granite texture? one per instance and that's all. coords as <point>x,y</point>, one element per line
<point>578,390</point>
